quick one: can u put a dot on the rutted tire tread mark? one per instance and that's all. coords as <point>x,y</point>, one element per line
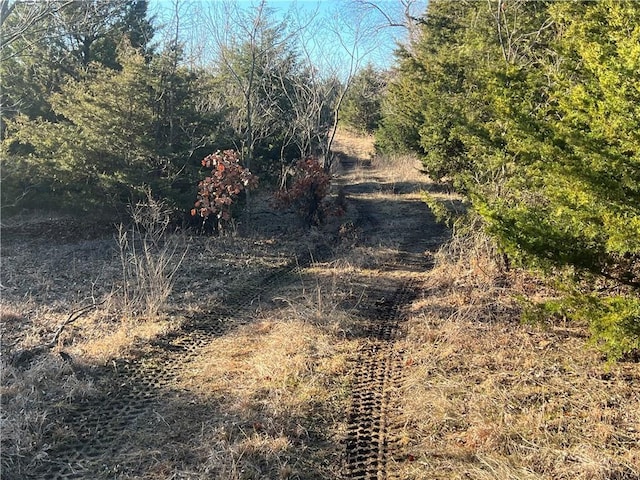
<point>370,444</point>
<point>133,388</point>
<point>377,375</point>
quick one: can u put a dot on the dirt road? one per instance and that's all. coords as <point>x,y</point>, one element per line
<point>372,445</point>
<point>144,420</point>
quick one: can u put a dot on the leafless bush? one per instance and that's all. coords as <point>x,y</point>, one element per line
<point>150,256</point>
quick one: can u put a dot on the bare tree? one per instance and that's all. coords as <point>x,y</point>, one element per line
<point>517,29</point>
<point>247,44</point>
<point>20,19</point>
<point>247,48</point>
<point>352,42</point>
<point>402,15</point>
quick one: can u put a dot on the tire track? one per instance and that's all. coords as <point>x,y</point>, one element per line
<point>377,375</point>
<point>371,445</point>
<point>130,392</point>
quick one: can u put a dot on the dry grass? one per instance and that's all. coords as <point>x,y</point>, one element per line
<point>354,145</point>
<point>273,367</point>
<point>44,280</point>
<point>399,168</point>
<point>279,384</point>
<point>31,399</point>
<point>382,168</point>
<point>391,186</point>
<point>51,268</point>
<point>489,398</point>
<point>484,396</point>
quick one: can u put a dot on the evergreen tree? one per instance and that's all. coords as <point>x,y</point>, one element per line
<point>188,123</point>
<point>531,108</point>
<point>422,106</point>
<point>61,44</point>
<point>573,196</point>
<point>99,149</point>
<point>91,30</point>
<point>360,109</point>
<point>579,206</point>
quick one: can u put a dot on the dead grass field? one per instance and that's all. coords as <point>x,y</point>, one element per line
<point>281,382</point>
<point>43,281</point>
<point>487,397</point>
<point>53,266</point>
<point>483,396</point>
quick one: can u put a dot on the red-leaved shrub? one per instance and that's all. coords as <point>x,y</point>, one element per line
<point>307,194</point>
<point>217,192</point>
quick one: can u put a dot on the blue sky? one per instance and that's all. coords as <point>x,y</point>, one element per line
<point>333,31</point>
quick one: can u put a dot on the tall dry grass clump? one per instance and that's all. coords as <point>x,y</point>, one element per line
<point>150,256</point>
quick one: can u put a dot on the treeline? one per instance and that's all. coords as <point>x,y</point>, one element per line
<point>96,110</point>
<point>532,110</point>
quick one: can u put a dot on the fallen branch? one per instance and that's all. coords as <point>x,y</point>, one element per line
<point>21,357</point>
<point>73,316</point>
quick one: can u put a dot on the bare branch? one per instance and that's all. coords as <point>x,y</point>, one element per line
<point>29,14</point>
<point>73,316</point>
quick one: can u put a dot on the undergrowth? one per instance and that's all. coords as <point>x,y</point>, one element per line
<point>508,400</point>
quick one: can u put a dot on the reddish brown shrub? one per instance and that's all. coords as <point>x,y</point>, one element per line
<point>218,192</point>
<point>308,192</point>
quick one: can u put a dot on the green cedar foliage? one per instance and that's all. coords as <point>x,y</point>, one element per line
<point>99,149</point>
<point>62,44</point>
<point>420,107</point>
<point>532,108</point>
<point>113,135</point>
<point>90,30</point>
<point>360,109</point>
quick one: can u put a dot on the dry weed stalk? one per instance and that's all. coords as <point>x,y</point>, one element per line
<point>149,257</point>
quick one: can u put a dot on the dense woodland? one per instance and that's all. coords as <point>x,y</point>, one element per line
<point>529,109</point>
<point>532,110</point>
<point>96,110</point>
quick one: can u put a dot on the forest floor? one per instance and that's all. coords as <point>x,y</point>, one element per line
<point>377,347</point>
